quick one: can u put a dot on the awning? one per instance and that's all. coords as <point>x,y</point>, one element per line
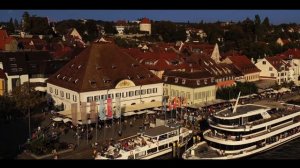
<point>142,106</point>
<point>157,108</point>
<point>57,119</point>
<point>141,112</point>
<point>129,113</point>
<point>67,120</point>
<point>151,112</point>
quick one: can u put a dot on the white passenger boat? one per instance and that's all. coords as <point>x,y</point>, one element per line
<point>152,143</point>
<point>247,130</point>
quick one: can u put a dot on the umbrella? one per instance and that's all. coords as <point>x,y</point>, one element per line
<point>156,108</point>
<point>130,113</point>
<point>57,119</point>
<point>67,120</point>
<point>151,112</point>
<point>141,112</point>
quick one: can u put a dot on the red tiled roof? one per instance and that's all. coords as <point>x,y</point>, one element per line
<point>242,63</point>
<point>145,21</point>
<point>277,62</point>
<point>121,23</point>
<point>290,53</point>
<point>2,74</point>
<point>99,67</point>
<point>3,37</point>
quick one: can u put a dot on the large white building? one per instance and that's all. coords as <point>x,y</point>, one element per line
<point>103,71</point>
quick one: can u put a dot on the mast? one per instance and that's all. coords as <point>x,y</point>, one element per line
<point>236,103</point>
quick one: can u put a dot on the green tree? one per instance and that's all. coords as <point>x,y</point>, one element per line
<point>266,22</point>
<point>10,26</point>
<point>26,97</point>
<point>26,21</point>
<point>16,24</point>
<point>109,28</point>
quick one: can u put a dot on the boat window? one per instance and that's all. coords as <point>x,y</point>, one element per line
<point>162,137</point>
<point>163,147</point>
<point>139,155</point>
<point>131,157</point>
<point>153,150</point>
<point>172,134</point>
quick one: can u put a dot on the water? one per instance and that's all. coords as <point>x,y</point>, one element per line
<point>290,150</point>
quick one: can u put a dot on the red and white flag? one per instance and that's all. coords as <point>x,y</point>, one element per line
<point>109,108</point>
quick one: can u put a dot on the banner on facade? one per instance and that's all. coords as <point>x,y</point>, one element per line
<point>109,108</point>
<point>74,113</point>
<point>102,114</point>
<point>83,112</point>
<point>93,111</point>
<point>118,108</point>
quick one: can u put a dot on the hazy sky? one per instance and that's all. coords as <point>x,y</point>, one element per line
<point>275,16</point>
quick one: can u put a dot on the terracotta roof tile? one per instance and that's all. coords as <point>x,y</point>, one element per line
<point>103,64</point>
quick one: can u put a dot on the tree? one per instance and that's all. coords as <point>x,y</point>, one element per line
<point>26,21</point>
<point>16,24</point>
<point>26,97</point>
<point>10,26</point>
<point>257,20</point>
<point>109,28</point>
<point>266,22</point>
<point>8,108</point>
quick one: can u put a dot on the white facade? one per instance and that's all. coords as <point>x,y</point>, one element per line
<point>145,27</point>
<point>120,29</point>
<point>131,97</point>
<point>268,71</point>
<point>75,33</point>
<point>20,79</point>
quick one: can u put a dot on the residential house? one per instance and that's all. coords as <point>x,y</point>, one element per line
<point>249,71</point>
<point>194,87</point>
<point>120,26</point>
<point>3,80</point>
<point>275,68</point>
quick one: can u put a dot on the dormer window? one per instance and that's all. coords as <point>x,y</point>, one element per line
<point>205,81</point>
<point>113,66</point>
<point>198,82</point>
<point>72,65</point>
<point>79,67</point>
<point>58,76</point>
<point>70,79</point>
<point>92,83</point>
<point>149,75</point>
<point>98,67</point>
<point>166,78</point>
<point>176,80</point>
<point>64,78</point>
<point>76,81</point>
<point>183,81</point>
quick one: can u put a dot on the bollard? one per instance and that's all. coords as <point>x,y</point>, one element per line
<point>174,149</point>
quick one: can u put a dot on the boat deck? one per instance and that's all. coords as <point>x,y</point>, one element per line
<point>240,110</point>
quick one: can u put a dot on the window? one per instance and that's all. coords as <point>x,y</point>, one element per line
<point>137,92</point>
<point>153,150</point>
<point>143,91</point>
<point>270,69</point>
<point>162,137</point>
<point>198,82</point>
<point>166,78</point>
<point>154,90</point>
<point>62,93</point>
<point>74,98</point>
<point>96,98</point>
<point>264,62</point>
<point>149,91</point>
<point>51,90</point>
<point>118,94</point>
<point>272,74</point>
<point>90,99</point>
<point>176,80</point>
<point>68,95</point>
<point>124,95</point>
<point>188,95</point>
<point>56,91</point>
<point>163,147</point>
<point>131,93</point>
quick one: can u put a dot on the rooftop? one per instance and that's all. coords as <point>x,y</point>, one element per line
<point>240,110</point>
<point>158,131</point>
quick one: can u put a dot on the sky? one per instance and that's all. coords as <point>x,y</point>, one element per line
<point>275,16</point>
